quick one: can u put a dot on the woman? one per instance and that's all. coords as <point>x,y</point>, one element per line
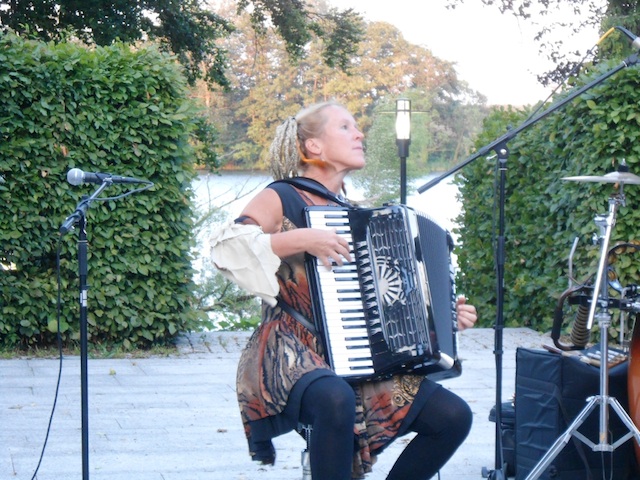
<point>283,379</point>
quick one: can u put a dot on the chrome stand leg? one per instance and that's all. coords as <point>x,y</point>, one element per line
<point>306,463</point>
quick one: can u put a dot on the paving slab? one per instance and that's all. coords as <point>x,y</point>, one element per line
<point>176,417</point>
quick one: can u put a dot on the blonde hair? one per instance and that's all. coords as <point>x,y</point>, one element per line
<point>288,153</point>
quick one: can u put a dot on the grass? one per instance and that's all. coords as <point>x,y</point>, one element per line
<point>94,351</point>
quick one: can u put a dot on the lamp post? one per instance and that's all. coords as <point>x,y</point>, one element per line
<point>403,140</point>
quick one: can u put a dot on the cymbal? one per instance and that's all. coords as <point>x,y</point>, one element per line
<point>613,177</point>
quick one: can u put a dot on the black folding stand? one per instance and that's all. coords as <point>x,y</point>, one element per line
<point>499,146</point>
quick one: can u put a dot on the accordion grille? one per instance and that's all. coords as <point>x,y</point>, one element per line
<point>400,284</point>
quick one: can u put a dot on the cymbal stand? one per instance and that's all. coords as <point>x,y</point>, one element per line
<point>603,400</point>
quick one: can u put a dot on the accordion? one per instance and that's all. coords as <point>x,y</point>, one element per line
<point>392,309</point>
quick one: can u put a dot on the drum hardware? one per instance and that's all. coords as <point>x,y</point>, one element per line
<point>500,147</point>
<point>599,302</point>
<point>591,356</point>
<point>580,293</point>
<point>628,295</point>
<point>621,177</point>
<point>624,304</point>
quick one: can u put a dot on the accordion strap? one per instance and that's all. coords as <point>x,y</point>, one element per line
<point>316,188</point>
<point>297,316</point>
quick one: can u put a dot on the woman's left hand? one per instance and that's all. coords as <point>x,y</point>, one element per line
<point>467,314</point>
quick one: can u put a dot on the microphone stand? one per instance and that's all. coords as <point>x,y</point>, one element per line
<point>499,146</point>
<point>79,217</point>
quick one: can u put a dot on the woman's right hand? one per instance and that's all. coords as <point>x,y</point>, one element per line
<point>327,246</point>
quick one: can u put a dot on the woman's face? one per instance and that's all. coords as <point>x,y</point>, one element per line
<point>341,141</point>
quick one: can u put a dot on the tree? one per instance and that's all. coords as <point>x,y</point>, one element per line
<point>188,28</point>
<point>267,88</point>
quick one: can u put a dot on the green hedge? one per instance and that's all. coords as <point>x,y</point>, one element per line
<point>589,136</point>
<point>119,110</point>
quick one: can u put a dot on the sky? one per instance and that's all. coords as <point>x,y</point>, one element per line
<point>493,52</point>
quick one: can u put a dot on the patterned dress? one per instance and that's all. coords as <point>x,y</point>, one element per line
<point>282,352</point>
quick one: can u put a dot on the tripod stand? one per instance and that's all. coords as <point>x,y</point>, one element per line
<point>600,299</point>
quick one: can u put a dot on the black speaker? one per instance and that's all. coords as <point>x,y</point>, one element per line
<point>551,390</point>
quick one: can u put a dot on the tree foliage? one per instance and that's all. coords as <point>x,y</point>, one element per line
<point>190,29</point>
<point>297,21</point>
<point>267,88</point>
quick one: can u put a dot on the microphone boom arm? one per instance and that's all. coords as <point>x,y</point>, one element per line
<point>496,144</point>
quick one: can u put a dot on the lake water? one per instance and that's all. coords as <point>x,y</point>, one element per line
<point>233,190</point>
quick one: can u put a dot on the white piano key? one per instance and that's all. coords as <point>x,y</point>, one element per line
<point>355,352</point>
<point>357,344</point>
<point>353,371</point>
<point>348,333</point>
<point>348,318</point>
<point>352,362</point>
<point>348,346</point>
<point>347,327</point>
<point>339,338</point>
<point>336,314</point>
<point>359,357</point>
<point>338,278</point>
<point>339,342</point>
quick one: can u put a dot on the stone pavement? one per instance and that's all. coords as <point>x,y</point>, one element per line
<point>176,417</point>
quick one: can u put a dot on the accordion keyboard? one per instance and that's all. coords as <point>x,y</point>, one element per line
<point>345,326</point>
<point>375,315</point>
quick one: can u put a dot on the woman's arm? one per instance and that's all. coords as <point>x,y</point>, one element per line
<point>265,210</point>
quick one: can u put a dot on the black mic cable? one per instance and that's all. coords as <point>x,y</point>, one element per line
<point>59,340</point>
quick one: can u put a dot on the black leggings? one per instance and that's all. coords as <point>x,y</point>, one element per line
<point>441,427</point>
<point>328,405</point>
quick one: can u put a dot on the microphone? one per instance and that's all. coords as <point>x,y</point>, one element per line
<point>75,176</point>
<point>635,40</point>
